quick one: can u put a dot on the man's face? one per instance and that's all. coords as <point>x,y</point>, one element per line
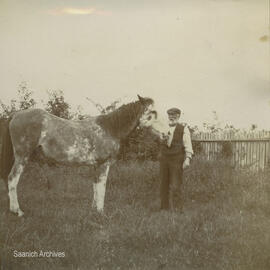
<point>173,118</point>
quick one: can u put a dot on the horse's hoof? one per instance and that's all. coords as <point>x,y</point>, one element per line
<point>20,213</point>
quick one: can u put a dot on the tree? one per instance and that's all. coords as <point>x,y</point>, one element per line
<point>24,101</point>
<point>253,127</point>
<point>57,105</point>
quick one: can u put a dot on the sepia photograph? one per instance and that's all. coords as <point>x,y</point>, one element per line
<point>134,135</point>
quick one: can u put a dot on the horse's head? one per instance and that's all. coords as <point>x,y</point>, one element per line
<point>151,118</point>
<point>150,114</point>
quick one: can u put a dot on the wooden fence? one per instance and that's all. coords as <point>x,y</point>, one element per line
<point>245,150</point>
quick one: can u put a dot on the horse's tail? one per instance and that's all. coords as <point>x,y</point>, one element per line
<point>7,154</point>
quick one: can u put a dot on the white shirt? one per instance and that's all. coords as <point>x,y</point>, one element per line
<point>186,140</point>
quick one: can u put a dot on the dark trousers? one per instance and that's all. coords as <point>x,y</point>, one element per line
<point>171,174</point>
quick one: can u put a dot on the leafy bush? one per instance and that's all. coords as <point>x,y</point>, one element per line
<point>197,147</point>
<point>141,144</point>
<point>226,150</point>
<point>57,105</point>
<point>24,101</point>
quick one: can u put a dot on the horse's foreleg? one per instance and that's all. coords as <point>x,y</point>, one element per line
<point>13,180</point>
<point>99,189</point>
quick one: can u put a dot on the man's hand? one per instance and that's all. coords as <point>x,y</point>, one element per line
<point>186,163</point>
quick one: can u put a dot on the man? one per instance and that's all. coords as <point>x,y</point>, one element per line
<point>175,155</point>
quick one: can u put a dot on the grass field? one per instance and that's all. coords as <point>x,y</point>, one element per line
<point>225,223</point>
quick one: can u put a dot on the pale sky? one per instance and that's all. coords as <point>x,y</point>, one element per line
<point>198,55</point>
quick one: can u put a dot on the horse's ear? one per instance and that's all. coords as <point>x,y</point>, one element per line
<point>141,99</point>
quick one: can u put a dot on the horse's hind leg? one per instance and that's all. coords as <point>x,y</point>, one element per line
<point>13,180</point>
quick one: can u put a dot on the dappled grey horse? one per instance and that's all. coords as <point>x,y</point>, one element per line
<point>93,142</point>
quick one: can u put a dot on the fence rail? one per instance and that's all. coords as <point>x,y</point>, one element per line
<point>246,149</point>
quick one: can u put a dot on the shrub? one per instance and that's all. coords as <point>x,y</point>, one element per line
<point>24,101</point>
<point>226,150</point>
<point>57,105</point>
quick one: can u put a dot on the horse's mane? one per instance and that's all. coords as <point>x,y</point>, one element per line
<point>123,120</point>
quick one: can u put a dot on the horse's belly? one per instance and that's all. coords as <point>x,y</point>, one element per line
<point>79,149</point>
<point>81,153</point>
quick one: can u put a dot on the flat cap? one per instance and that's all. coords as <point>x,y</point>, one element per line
<point>173,111</point>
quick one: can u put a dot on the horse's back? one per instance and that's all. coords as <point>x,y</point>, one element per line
<point>62,140</point>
